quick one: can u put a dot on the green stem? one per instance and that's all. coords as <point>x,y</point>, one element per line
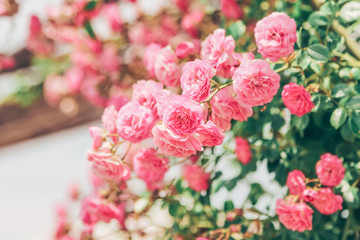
<point>347,225</point>
<point>217,90</point>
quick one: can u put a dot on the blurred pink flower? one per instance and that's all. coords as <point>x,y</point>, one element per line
<point>231,9</point>
<point>166,67</point>
<point>196,177</point>
<point>243,150</point>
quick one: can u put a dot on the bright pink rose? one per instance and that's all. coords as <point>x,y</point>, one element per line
<point>195,79</point>
<point>166,67</point>
<point>8,7</point>
<point>243,150</point>
<point>94,210</point>
<point>297,99</point>
<point>96,134</point>
<point>190,22</point>
<point>209,134</point>
<point>225,107</point>
<point>327,202</point>
<point>183,5</point>
<point>275,36</point>
<point>294,216</point>
<point>145,93</point>
<point>134,122</point>
<point>149,57</point>
<point>309,195</point>
<point>231,9</point>
<point>196,177</point>
<point>150,168</point>
<point>186,49</point>
<point>296,182</point>
<point>6,62</point>
<point>175,145</point>
<point>255,82</point>
<point>330,170</point>
<point>216,48</point>
<point>228,68</point>
<point>182,115</point>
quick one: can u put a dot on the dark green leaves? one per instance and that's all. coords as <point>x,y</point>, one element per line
<point>340,90</point>
<point>90,6</point>
<point>89,29</point>
<point>319,52</point>
<point>354,103</point>
<point>354,124</point>
<point>318,19</point>
<point>338,117</point>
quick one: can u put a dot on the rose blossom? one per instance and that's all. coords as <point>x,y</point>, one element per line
<point>55,88</point>
<point>134,122</point>
<point>195,79</point>
<point>294,216</point>
<point>37,42</point>
<point>175,145</point>
<point>186,49</point>
<point>96,134</point>
<point>275,36</point>
<point>118,101</point>
<point>182,115</point>
<point>149,57</point>
<point>108,119</point>
<point>150,168</point>
<point>309,195</point>
<point>94,209</point>
<point>255,82</point>
<point>228,68</point>
<point>330,170</point>
<point>225,107</point>
<point>243,150</point>
<point>190,22</point>
<point>209,134</point>
<point>231,9</point>
<point>327,202</point>
<point>183,5</point>
<point>196,177</point>
<point>296,182</point>
<point>297,99</point>
<point>216,48</point>
<point>166,67</point>
<point>145,92</point>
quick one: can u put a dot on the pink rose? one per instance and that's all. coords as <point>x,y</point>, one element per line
<point>8,7</point>
<point>149,57</point>
<point>225,107</point>
<point>231,9</point>
<point>228,68</point>
<point>327,202</point>
<point>182,115</point>
<point>175,145</point>
<point>243,150</point>
<point>202,238</point>
<point>134,122</point>
<point>195,79</point>
<point>297,99</point>
<point>186,49</point>
<point>296,182</point>
<point>275,36</point>
<point>37,42</point>
<point>109,59</point>
<point>216,48</point>
<point>294,216</point>
<point>166,67</point>
<point>255,83</point>
<point>74,78</point>
<point>162,99</point>
<point>7,62</point>
<point>117,101</point>
<point>113,16</point>
<point>330,170</point>
<point>209,134</point>
<point>96,134</point>
<point>150,168</point>
<point>309,195</point>
<point>55,88</point>
<point>183,5</point>
<point>108,119</point>
<point>145,93</point>
<point>190,22</point>
<point>196,177</point>
<point>94,209</point>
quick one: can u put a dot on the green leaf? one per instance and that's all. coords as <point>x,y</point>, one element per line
<point>89,29</point>
<point>230,185</point>
<point>318,19</point>
<point>299,36</point>
<point>354,124</point>
<point>318,52</point>
<point>90,6</point>
<point>346,133</point>
<point>338,117</point>
<point>340,90</point>
<point>237,29</point>
<point>300,123</point>
<point>354,103</point>
<point>229,206</point>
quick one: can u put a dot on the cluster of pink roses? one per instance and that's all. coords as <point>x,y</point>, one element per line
<point>293,212</point>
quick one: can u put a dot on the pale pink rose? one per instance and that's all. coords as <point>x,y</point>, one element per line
<point>243,150</point>
<point>37,42</point>
<point>149,57</point>
<point>228,68</point>
<point>94,209</point>
<point>195,79</point>
<point>255,83</point>
<point>297,99</point>
<point>166,67</point>
<point>182,115</point>
<point>117,101</point>
<point>275,36</point>
<point>196,177</point>
<point>309,195</point>
<point>108,119</point>
<point>162,99</point>
<point>140,33</point>
<point>225,107</point>
<point>217,48</point>
<point>209,134</point>
<point>145,93</point>
<point>183,5</point>
<point>96,134</point>
<point>8,7</point>
<point>113,16</point>
<point>90,89</point>
<point>74,78</point>
<point>55,88</point>
<point>110,169</point>
<point>109,59</point>
<point>175,145</point>
<point>330,170</point>
<point>327,202</point>
<point>296,182</point>
<point>186,49</point>
<point>231,9</point>
<point>190,22</point>
<point>294,216</point>
<point>134,122</point>
<point>150,168</point>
